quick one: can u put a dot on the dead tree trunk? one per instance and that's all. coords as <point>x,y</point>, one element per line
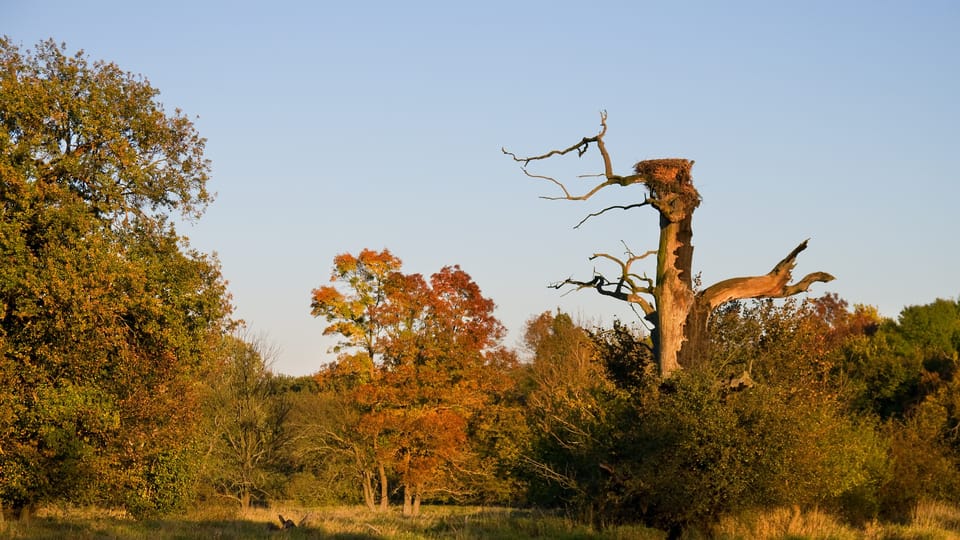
<point>677,312</point>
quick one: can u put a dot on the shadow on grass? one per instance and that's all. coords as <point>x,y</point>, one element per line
<point>103,528</point>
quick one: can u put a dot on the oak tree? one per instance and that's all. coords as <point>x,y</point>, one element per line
<point>670,302</point>
<point>106,314</point>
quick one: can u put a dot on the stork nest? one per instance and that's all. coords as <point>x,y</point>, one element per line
<point>670,179</point>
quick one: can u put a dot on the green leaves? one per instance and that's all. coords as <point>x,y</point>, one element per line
<point>106,315</point>
<point>99,134</point>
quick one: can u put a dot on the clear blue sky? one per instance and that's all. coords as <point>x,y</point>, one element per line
<point>335,126</point>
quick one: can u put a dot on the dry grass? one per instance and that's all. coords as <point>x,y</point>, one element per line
<point>930,521</point>
<point>783,523</point>
<point>343,523</point>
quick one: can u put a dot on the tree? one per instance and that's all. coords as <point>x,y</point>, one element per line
<point>422,359</point>
<point>249,419</point>
<point>356,315</point>
<point>677,311</point>
<point>107,317</point>
<point>570,407</point>
<point>905,372</point>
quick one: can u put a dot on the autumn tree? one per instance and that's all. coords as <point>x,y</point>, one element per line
<point>423,358</point>
<point>107,316</point>
<point>677,311</point>
<point>352,308</point>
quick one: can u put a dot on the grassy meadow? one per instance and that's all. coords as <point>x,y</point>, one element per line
<point>930,521</point>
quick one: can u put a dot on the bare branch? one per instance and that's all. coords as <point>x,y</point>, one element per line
<point>775,284</point>
<point>583,197</point>
<point>607,164</point>
<point>547,472</point>
<point>550,178</point>
<point>601,284</point>
<point>804,284</point>
<point>581,148</point>
<point>617,207</point>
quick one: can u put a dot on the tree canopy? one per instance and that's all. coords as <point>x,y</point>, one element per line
<point>421,362</point>
<point>106,314</point>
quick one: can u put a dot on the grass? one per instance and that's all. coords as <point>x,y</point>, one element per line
<point>345,523</point>
<point>930,521</point>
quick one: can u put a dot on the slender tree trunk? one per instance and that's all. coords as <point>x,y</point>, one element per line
<point>384,491</point>
<point>245,500</point>
<point>416,501</point>
<point>367,484</point>
<point>407,500</point>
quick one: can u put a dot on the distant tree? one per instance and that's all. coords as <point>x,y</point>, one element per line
<point>250,423</point>
<point>353,309</point>
<point>677,311</point>
<point>106,316</point>
<point>355,314</point>
<point>906,373</point>
<point>906,360</point>
<point>570,406</point>
<point>422,359</point>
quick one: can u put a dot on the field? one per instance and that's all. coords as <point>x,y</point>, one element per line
<point>930,521</point>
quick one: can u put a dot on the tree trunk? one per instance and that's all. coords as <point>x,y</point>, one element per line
<point>407,500</point>
<point>367,484</point>
<point>673,293</point>
<point>384,491</point>
<point>245,500</point>
<point>696,345</point>
<point>416,501</point>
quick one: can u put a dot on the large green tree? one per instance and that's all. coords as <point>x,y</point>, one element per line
<point>106,314</point>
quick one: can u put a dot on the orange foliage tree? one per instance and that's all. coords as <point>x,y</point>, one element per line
<point>424,361</point>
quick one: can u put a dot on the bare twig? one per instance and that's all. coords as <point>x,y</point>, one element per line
<point>581,148</point>
<point>616,207</point>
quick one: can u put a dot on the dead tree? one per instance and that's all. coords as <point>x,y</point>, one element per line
<point>678,313</point>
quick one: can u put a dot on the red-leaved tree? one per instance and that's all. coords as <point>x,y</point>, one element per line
<point>424,358</point>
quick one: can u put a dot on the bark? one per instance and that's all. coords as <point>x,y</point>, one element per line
<point>678,314</point>
<point>367,482</point>
<point>384,491</point>
<point>416,501</point>
<point>411,500</point>
<point>673,294</point>
<point>407,500</point>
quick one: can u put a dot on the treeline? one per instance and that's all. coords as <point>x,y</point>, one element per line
<point>806,403</point>
<point>124,381</point>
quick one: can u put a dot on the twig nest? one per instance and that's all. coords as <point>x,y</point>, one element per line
<point>665,170</point>
<point>670,185</point>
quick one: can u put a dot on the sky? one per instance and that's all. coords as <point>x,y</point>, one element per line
<point>338,126</point>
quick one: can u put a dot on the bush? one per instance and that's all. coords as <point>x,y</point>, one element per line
<point>699,450</point>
